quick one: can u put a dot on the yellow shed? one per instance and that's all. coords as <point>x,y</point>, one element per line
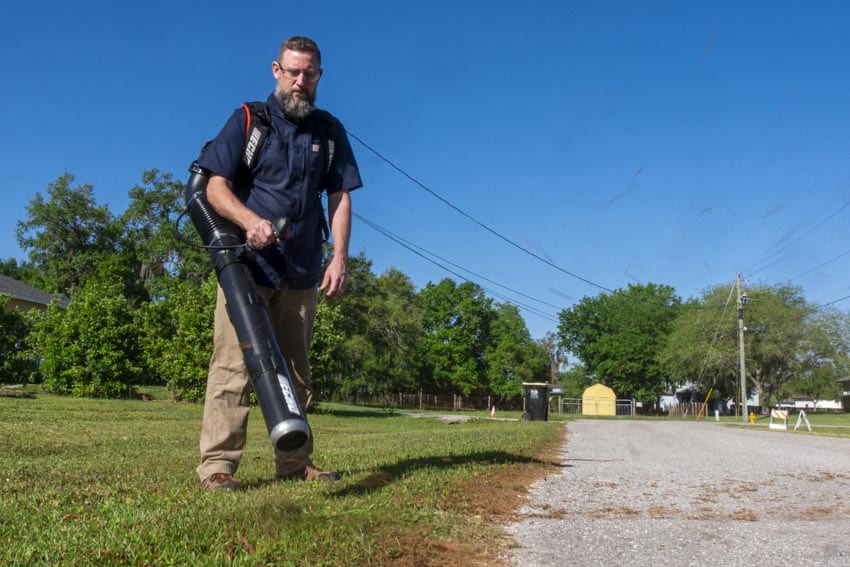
<point>599,400</point>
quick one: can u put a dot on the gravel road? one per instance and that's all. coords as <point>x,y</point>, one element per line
<point>688,493</point>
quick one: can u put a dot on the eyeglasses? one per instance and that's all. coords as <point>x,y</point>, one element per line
<point>310,75</point>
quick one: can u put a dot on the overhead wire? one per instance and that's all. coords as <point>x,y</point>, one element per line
<point>819,266</point>
<point>799,238</point>
<point>401,240</point>
<point>470,217</point>
<point>561,269</point>
<point>496,233</point>
<point>422,253</point>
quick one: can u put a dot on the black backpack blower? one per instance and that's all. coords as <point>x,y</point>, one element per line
<point>270,377</point>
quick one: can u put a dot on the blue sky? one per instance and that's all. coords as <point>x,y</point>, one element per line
<point>625,142</point>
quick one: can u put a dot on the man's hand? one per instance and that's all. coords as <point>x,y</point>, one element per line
<point>333,284</point>
<point>258,231</point>
<point>260,234</point>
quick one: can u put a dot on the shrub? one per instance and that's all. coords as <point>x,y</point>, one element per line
<point>16,363</point>
<point>90,349</point>
<point>177,336</point>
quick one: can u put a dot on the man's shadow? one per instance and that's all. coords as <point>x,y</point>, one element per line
<point>386,475</point>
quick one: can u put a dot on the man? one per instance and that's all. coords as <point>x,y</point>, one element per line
<point>286,181</point>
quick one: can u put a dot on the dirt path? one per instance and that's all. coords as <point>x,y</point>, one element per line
<point>683,493</point>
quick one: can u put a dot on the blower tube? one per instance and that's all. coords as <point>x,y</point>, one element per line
<point>270,377</point>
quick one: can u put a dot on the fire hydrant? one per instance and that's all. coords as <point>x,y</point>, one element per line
<point>752,417</point>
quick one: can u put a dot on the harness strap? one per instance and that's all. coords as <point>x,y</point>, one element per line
<point>256,131</point>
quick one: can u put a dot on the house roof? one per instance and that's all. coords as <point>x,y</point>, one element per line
<point>23,292</point>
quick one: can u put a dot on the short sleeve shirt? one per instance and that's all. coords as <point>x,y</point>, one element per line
<point>286,181</point>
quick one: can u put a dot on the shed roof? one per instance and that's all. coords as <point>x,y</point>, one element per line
<point>599,391</point>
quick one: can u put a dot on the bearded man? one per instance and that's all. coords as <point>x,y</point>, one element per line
<point>293,167</point>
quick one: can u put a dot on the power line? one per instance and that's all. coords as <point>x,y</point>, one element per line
<point>412,248</point>
<point>495,233</point>
<point>830,261</point>
<point>799,238</point>
<point>840,299</point>
<point>486,227</point>
<point>401,240</point>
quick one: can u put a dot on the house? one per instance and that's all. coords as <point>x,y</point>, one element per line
<point>26,297</point>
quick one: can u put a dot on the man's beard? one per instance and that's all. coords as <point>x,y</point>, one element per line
<point>296,109</point>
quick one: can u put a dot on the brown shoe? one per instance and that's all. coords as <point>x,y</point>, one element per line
<point>221,481</point>
<point>312,472</point>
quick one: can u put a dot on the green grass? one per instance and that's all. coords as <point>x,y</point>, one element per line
<point>827,424</point>
<point>100,482</point>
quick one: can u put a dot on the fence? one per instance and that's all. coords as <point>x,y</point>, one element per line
<point>423,401</point>
<point>687,409</point>
<point>574,406</point>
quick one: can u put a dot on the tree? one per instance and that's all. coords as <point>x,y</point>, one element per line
<point>67,235</point>
<point>788,345</point>
<point>511,357</point>
<point>394,327</point>
<point>557,356</point>
<point>825,358</point>
<point>92,348</point>
<point>366,342</point>
<point>22,272</point>
<point>702,347</point>
<point>456,323</point>
<point>575,380</point>
<point>149,237</point>
<point>618,337</point>
<point>776,337</point>
<point>329,351</point>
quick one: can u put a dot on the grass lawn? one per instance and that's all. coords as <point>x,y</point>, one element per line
<point>87,482</point>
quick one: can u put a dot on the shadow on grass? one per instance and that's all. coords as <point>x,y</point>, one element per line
<point>388,474</point>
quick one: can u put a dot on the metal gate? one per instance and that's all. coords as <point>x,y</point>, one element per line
<point>573,406</point>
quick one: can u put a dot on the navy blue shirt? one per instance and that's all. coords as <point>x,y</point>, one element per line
<point>286,181</point>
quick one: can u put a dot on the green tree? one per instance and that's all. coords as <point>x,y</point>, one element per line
<point>776,337</point>
<point>394,323</point>
<point>788,346</point>
<point>149,237</point>
<point>21,271</point>
<point>366,342</point>
<point>92,348</point>
<point>511,357</point>
<point>618,337</point>
<point>824,358</point>
<point>456,325</point>
<point>576,380</point>
<point>341,355</point>
<point>702,347</point>
<point>329,351</point>
<point>67,236</point>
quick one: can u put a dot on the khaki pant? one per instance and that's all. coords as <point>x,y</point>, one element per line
<point>226,406</point>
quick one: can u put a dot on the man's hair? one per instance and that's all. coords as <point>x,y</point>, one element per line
<point>299,43</point>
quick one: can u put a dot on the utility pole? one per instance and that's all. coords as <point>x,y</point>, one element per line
<point>742,300</point>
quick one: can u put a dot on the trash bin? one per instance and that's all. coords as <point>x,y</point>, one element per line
<point>536,402</point>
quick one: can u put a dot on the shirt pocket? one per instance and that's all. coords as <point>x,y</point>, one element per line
<point>272,168</point>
